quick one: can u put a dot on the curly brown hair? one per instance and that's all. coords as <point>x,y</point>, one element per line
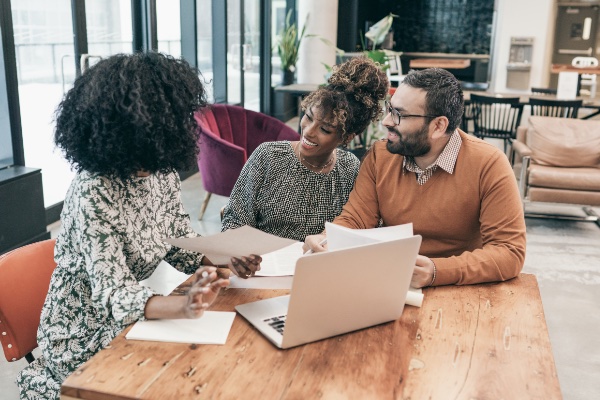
<point>131,112</point>
<point>351,98</point>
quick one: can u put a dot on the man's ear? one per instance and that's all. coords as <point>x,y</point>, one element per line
<point>439,126</point>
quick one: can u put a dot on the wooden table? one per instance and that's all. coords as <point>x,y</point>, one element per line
<point>485,341</point>
<point>439,63</point>
<point>557,68</point>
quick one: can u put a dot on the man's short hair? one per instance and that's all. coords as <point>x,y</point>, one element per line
<point>444,94</point>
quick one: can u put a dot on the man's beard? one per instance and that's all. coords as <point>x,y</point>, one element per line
<point>416,145</point>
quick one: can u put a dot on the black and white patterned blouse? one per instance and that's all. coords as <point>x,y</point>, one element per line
<point>110,239</point>
<point>277,194</point>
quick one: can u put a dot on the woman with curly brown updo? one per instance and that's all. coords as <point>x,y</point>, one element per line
<point>125,126</point>
<point>290,189</point>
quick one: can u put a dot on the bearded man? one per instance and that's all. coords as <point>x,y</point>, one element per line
<point>459,192</point>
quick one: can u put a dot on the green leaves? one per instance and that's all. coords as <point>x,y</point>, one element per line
<point>288,43</point>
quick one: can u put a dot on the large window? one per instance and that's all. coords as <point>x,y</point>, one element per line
<point>43,34</point>
<point>50,34</point>
<point>46,62</point>
<point>204,36</point>
<point>168,27</point>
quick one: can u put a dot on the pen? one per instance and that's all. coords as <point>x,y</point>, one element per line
<point>322,242</point>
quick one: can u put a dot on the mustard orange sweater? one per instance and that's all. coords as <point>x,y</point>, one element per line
<point>471,221</point>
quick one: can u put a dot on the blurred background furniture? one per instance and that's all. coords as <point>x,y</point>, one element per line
<point>496,117</point>
<point>467,118</point>
<point>228,135</point>
<point>394,72</point>
<point>554,108</point>
<point>543,91</point>
<point>24,279</point>
<point>586,79</point>
<point>558,161</point>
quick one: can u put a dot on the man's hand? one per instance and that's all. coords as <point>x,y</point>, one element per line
<point>423,273</point>
<point>313,243</point>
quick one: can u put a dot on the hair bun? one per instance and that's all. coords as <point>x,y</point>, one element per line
<point>360,77</point>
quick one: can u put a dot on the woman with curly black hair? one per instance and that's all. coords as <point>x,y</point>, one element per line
<point>290,189</point>
<point>125,126</point>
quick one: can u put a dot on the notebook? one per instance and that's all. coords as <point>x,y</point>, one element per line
<point>336,292</point>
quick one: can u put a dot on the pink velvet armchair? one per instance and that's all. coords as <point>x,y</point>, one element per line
<point>228,135</point>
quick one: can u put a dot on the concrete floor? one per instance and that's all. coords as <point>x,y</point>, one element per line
<point>564,255</point>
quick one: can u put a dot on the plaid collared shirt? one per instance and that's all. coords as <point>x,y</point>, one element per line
<point>446,160</point>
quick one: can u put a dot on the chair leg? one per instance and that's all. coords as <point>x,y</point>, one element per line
<point>204,204</point>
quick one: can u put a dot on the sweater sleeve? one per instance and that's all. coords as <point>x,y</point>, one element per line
<point>361,211</point>
<point>242,206</point>
<point>502,228</point>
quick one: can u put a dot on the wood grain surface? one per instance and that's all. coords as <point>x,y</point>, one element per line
<point>485,341</point>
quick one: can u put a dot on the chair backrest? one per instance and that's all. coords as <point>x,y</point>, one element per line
<point>543,91</point>
<point>228,136</point>
<point>496,117</point>
<point>24,279</point>
<point>554,107</point>
<point>394,71</point>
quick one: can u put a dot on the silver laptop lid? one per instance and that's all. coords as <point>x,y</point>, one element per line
<point>341,291</point>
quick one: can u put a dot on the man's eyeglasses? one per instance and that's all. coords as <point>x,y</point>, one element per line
<point>397,117</point>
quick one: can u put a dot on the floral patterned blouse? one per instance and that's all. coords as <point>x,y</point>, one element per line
<point>111,238</point>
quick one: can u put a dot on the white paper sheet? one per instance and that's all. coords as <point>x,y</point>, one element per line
<point>164,279</point>
<point>567,85</point>
<point>414,297</point>
<point>239,242</point>
<point>261,282</point>
<point>212,328</point>
<point>281,262</point>
<point>339,237</point>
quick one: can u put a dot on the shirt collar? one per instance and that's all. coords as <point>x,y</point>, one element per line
<point>447,158</point>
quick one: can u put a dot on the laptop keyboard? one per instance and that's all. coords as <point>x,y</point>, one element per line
<point>277,323</point>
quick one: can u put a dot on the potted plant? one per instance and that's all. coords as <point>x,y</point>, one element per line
<point>288,44</point>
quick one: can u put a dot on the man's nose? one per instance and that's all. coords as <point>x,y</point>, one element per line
<point>387,120</point>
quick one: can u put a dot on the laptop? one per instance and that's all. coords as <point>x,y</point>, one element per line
<point>337,292</point>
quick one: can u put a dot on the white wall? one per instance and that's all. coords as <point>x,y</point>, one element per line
<point>530,18</point>
<point>322,21</point>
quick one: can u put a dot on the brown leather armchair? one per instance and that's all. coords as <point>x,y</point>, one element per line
<point>558,161</point>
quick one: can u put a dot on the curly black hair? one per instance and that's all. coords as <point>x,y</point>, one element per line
<point>131,112</point>
<point>351,98</point>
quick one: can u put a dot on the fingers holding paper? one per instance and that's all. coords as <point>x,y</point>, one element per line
<point>203,291</point>
<point>315,244</point>
<point>245,267</point>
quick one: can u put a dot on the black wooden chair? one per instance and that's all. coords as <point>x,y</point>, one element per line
<point>555,108</point>
<point>468,113</point>
<point>496,117</point>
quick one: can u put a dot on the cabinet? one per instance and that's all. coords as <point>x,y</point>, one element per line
<point>22,213</point>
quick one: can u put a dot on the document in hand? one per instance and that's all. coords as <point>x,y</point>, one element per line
<point>239,242</point>
<point>339,237</point>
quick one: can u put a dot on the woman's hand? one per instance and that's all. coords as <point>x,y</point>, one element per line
<point>203,291</point>
<point>200,295</point>
<point>245,267</point>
